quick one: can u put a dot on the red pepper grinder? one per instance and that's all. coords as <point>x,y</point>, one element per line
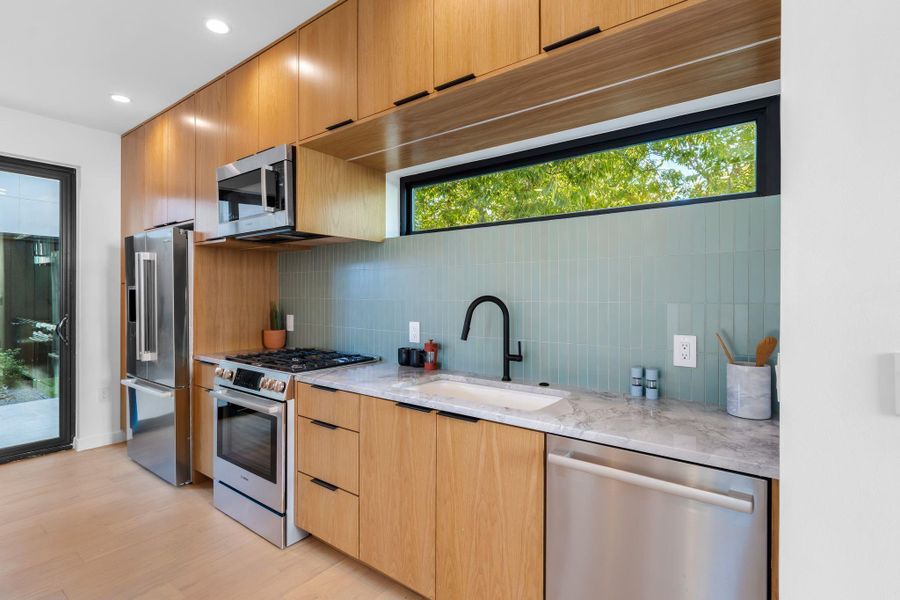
<point>431,356</point>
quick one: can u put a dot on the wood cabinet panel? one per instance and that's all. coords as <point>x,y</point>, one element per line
<point>561,19</point>
<point>209,111</point>
<point>331,406</point>
<point>155,172</point>
<point>338,198</point>
<point>328,453</point>
<point>278,94</point>
<point>490,507</point>
<point>133,182</point>
<point>395,52</point>
<point>330,515</point>
<point>478,36</point>
<point>327,70</point>
<point>180,162</point>
<point>204,374</point>
<point>202,430</point>
<point>397,492</point>
<point>242,111</point>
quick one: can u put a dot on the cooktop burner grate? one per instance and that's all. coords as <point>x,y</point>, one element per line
<point>297,360</point>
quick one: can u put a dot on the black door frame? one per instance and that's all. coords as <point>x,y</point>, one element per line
<point>67,202</point>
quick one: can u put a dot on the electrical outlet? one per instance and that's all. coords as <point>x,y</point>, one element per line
<point>685,354</point>
<point>413,332</point>
<point>289,322</point>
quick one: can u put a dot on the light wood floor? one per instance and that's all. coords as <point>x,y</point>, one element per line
<point>95,525</point>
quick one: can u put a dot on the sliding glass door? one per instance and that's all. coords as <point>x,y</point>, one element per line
<point>37,227</point>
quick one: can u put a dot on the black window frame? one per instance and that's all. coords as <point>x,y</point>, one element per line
<point>764,112</point>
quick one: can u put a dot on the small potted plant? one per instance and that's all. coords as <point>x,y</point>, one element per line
<point>273,338</point>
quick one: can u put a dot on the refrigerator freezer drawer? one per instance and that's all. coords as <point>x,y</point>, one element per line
<point>159,420</point>
<point>622,524</point>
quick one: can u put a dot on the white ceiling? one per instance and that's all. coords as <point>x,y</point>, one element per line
<point>63,58</point>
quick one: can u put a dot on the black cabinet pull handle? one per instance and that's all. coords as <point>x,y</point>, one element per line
<point>324,484</point>
<point>466,418</point>
<point>336,125</point>
<point>323,388</point>
<point>323,424</point>
<point>572,38</point>
<point>423,409</point>
<point>453,82</point>
<point>416,96</point>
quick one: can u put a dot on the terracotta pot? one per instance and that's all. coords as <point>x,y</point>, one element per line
<point>273,339</point>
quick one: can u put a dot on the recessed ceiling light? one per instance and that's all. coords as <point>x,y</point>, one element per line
<point>217,26</point>
<point>119,98</point>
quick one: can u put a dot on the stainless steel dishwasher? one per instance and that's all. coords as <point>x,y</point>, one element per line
<point>628,526</point>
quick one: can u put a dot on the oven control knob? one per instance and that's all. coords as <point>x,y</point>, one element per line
<point>266,383</point>
<point>227,374</point>
<point>279,386</point>
<point>219,371</point>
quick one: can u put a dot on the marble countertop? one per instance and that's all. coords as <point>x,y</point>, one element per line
<point>689,431</point>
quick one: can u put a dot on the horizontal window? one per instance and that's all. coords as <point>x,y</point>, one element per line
<point>696,160</point>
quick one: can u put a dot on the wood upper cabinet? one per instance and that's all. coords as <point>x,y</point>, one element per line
<point>397,492</point>
<point>395,50</point>
<point>242,110</point>
<point>327,70</point>
<point>561,19</point>
<point>133,182</point>
<point>155,172</point>
<point>209,109</point>
<point>278,94</point>
<point>490,510</point>
<point>179,122</point>
<point>473,37</point>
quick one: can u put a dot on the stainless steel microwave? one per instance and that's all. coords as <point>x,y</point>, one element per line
<point>256,195</point>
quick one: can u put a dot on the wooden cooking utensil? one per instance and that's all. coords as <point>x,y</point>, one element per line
<point>764,350</point>
<point>725,349</point>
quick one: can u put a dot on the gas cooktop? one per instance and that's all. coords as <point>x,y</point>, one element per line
<point>297,360</point>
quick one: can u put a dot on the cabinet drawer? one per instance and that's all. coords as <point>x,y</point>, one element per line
<point>328,452</point>
<point>332,406</point>
<point>331,515</point>
<point>204,373</point>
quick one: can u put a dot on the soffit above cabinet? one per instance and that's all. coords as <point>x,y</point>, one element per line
<point>693,49</point>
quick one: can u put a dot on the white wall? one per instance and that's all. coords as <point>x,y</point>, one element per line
<point>95,155</point>
<point>840,305</point>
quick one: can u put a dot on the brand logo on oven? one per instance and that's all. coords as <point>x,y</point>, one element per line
<point>245,478</point>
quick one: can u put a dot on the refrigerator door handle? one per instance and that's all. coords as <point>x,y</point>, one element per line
<point>732,501</point>
<point>159,392</point>
<point>145,279</point>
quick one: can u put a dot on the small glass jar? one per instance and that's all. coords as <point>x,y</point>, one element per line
<point>651,382</point>
<point>637,382</point>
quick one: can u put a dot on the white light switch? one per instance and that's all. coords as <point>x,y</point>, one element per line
<point>685,351</point>
<point>413,332</point>
<point>289,322</point>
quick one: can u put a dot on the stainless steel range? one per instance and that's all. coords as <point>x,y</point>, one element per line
<point>254,437</point>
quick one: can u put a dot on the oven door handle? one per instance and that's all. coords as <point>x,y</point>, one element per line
<point>268,409</point>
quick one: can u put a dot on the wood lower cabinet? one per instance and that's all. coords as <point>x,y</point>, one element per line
<point>133,182</point>
<point>209,111</point>
<point>561,19</point>
<point>327,70</point>
<point>328,452</point>
<point>202,407</point>
<point>180,158</point>
<point>490,510</point>
<point>397,492</point>
<point>242,111</point>
<point>473,37</point>
<point>328,405</point>
<point>395,52</point>
<point>329,513</point>
<point>278,94</point>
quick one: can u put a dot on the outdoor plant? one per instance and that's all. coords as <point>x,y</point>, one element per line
<point>276,318</point>
<point>12,369</point>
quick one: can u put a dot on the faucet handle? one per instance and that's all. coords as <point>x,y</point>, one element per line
<point>516,357</point>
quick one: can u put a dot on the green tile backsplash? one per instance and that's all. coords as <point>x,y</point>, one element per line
<point>589,297</point>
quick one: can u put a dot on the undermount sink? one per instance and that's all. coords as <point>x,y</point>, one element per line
<point>490,394</point>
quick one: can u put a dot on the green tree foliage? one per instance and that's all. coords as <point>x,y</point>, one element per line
<point>709,163</point>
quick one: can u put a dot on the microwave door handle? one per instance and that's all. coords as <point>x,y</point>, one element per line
<point>263,171</point>
<point>247,403</point>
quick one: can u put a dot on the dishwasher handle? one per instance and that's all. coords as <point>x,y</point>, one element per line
<point>732,501</point>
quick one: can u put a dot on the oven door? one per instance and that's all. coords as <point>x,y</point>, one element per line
<point>256,193</point>
<point>250,442</point>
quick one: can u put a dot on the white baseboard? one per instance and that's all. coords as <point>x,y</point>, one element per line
<point>97,440</point>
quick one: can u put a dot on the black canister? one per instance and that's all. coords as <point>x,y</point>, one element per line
<point>416,358</point>
<point>403,356</point>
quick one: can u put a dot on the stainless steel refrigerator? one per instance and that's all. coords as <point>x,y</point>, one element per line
<point>158,278</point>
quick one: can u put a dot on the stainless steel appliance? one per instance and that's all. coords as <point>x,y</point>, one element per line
<point>254,437</point>
<point>256,195</point>
<point>158,276</point>
<point>621,524</point>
